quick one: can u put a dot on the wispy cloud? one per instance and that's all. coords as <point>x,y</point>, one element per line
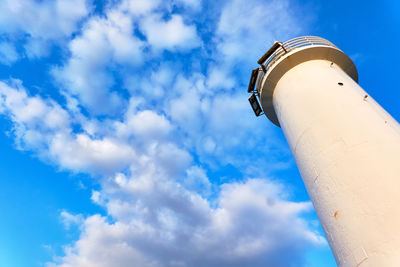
<point>70,220</point>
<point>42,22</point>
<point>8,53</point>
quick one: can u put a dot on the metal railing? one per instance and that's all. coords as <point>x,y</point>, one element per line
<point>277,50</point>
<point>286,47</point>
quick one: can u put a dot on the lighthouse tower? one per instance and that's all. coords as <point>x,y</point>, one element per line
<point>346,146</point>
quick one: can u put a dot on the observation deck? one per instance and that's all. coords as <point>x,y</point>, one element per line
<point>281,57</point>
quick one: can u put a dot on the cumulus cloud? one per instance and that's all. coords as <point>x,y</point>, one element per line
<point>33,117</point>
<point>170,34</point>
<point>152,133</point>
<point>159,212</point>
<point>107,44</point>
<point>80,152</point>
<point>224,130</point>
<point>87,74</point>
<point>45,126</point>
<point>145,125</point>
<point>165,225</point>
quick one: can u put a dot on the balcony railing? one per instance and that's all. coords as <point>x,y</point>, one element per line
<point>281,49</point>
<point>292,44</point>
<point>278,50</point>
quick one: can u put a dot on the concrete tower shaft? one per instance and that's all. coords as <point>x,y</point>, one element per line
<point>346,146</point>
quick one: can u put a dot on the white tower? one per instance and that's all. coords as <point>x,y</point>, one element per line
<point>346,146</point>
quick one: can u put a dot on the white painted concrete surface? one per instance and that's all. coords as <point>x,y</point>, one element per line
<point>347,149</point>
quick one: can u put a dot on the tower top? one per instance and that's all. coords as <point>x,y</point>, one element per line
<point>281,57</point>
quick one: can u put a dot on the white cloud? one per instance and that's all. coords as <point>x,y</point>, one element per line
<point>104,43</point>
<point>170,34</point>
<point>36,48</point>
<point>156,141</point>
<point>42,21</point>
<point>219,78</point>
<point>33,117</point>
<point>154,85</point>
<point>45,126</point>
<point>196,180</point>
<point>69,219</point>
<point>247,28</point>
<point>219,126</point>
<point>139,7</point>
<point>82,153</point>
<point>45,19</point>
<point>165,225</point>
<point>8,53</point>
<point>109,43</point>
<point>186,107</point>
<point>146,125</point>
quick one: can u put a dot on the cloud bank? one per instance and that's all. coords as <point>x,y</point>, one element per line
<point>152,107</point>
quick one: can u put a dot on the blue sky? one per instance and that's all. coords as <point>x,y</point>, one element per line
<point>127,138</point>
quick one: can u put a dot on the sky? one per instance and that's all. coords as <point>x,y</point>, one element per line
<point>127,138</point>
